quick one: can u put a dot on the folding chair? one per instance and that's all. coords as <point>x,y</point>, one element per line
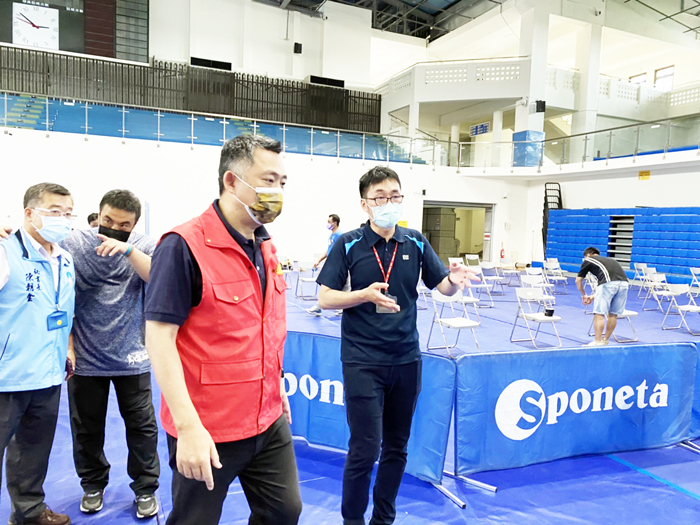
<point>677,290</point>
<point>627,314</point>
<point>538,272</point>
<point>554,275</point>
<point>529,296</point>
<point>591,281</point>
<point>299,290</point>
<point>695,282</point>
<point>657,287</point>
<point>472,259</point>
<point>536,282</point>
<point>646,279</point>
<point>468,298</point>
<point>639,270</point>
<point>286,271</point>
<point>422,291</point>
<point>490,275</point>
<point>454,322</point>
<point>508,270</point>
<point>481,287</point>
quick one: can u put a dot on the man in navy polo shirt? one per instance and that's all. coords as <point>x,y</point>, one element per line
<point>380,349</point>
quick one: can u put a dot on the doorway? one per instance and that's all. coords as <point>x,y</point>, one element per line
<point>455,229</point>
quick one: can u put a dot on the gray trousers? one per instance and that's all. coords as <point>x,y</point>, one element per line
<point>27,427</point>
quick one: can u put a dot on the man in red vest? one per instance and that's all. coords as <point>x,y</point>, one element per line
<point>215,332</point>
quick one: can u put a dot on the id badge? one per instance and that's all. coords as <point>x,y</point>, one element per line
<point>384,309</point>
<point>57,320</point>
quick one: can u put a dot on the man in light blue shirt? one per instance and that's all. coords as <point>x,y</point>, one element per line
<point>333,224</point>
<point>37,299</point>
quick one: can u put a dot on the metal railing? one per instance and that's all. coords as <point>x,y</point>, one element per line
<point>176,86</point>
<point>138,122</point>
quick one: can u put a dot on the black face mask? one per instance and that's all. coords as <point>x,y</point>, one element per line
<point>114,234</point>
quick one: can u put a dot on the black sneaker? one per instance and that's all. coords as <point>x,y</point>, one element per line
<point>92,501</point>
<point>146,506</point>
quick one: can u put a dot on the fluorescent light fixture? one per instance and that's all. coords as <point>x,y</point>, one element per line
<point>554,143</point>
<point>656,126</point>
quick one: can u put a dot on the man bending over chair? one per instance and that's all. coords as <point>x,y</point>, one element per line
<point>611,295</point>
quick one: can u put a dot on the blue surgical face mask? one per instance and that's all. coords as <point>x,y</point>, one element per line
<point>54,229</point>
<point>388,215</point>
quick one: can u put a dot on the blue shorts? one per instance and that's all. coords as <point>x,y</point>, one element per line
<point>611,298</point>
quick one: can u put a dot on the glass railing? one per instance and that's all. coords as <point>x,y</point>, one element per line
<point>88,118</point>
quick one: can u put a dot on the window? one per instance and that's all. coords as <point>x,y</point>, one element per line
<point>638,79</point>
<point>663,78</point>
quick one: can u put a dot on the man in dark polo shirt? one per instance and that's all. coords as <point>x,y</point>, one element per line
<point>215,332</point>
<point>379,348</point>
<point>610,296</point>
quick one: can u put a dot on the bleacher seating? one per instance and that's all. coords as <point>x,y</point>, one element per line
<point>666,238</point>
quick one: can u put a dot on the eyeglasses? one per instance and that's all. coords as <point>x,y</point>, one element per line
<point>381,201</point>
<point>56,213</point>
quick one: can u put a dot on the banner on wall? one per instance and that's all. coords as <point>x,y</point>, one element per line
<point>313,379</point>
<point>521,408</point>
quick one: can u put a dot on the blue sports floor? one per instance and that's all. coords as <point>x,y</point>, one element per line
<point>658,486</point>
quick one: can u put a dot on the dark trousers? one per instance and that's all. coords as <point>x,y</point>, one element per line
<point>88,397</point>
<point>27,428</point>
<point>267,469</point>
<point>380,402</point>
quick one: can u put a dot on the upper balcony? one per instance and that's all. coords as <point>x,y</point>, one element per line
<point>507,79</point>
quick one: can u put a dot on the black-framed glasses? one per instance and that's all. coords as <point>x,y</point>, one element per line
<point>381,201</point>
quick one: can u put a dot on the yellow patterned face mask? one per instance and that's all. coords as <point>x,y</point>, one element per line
<point>267,206</point>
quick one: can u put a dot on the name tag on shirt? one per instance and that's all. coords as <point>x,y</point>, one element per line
<point>57,320</point>
<point>384,309</point>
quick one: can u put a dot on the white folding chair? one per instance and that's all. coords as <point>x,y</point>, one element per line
<point>639,270</point>
<point>537,282</point>
<point>469,299</point>
<point>657,288</point>
<point>299,290</point>
<point>455,322</point>
<point>526,298</point>
<point>472,259</point>
<point>627,314</point>
<point>489,273</point>
<point>677,290</point>
<point>538,272</point>
<point>646,279</point>
<point>422,293</point>
<point>554,275</point>
<point>508,270</point>
<point>482,287</point>
<point>695,283</point>
<point>590,282</point>
<point>286,269</point>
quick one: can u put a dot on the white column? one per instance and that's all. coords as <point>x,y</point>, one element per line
<point>454,144</point>
<point>534,38</point>
<point>496,138</point>
<point>413,119</point>
<point>588,56</point>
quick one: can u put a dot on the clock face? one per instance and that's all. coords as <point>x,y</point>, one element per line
<point>34,26</point>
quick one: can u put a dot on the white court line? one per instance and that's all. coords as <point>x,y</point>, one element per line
<point>305,481</point>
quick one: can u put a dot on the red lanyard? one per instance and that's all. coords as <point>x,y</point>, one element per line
<point>391,264</point>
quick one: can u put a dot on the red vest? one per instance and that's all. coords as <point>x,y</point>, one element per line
<point>231,346</point>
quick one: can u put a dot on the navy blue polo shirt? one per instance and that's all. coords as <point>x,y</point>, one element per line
<point>367,336</point>
<point>175,285</point>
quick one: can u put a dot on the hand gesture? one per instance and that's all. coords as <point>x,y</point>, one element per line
<point>110,247</point>
<point>373,294</point>
<point>196,453</point>
<point>5,232</point>
<point>461,275</point>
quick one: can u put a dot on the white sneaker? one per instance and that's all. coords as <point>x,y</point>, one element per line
<point>338,312</point>
<point>314,310</point>
<point>597,343</point>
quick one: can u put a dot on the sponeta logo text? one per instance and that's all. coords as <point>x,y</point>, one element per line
<point>327,390</point>
<point>523,405</point>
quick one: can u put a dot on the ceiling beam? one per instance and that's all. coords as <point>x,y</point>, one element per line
<point>430,19</point>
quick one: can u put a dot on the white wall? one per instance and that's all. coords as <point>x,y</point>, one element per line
<point>259,39</point>
<point>179,182</point>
